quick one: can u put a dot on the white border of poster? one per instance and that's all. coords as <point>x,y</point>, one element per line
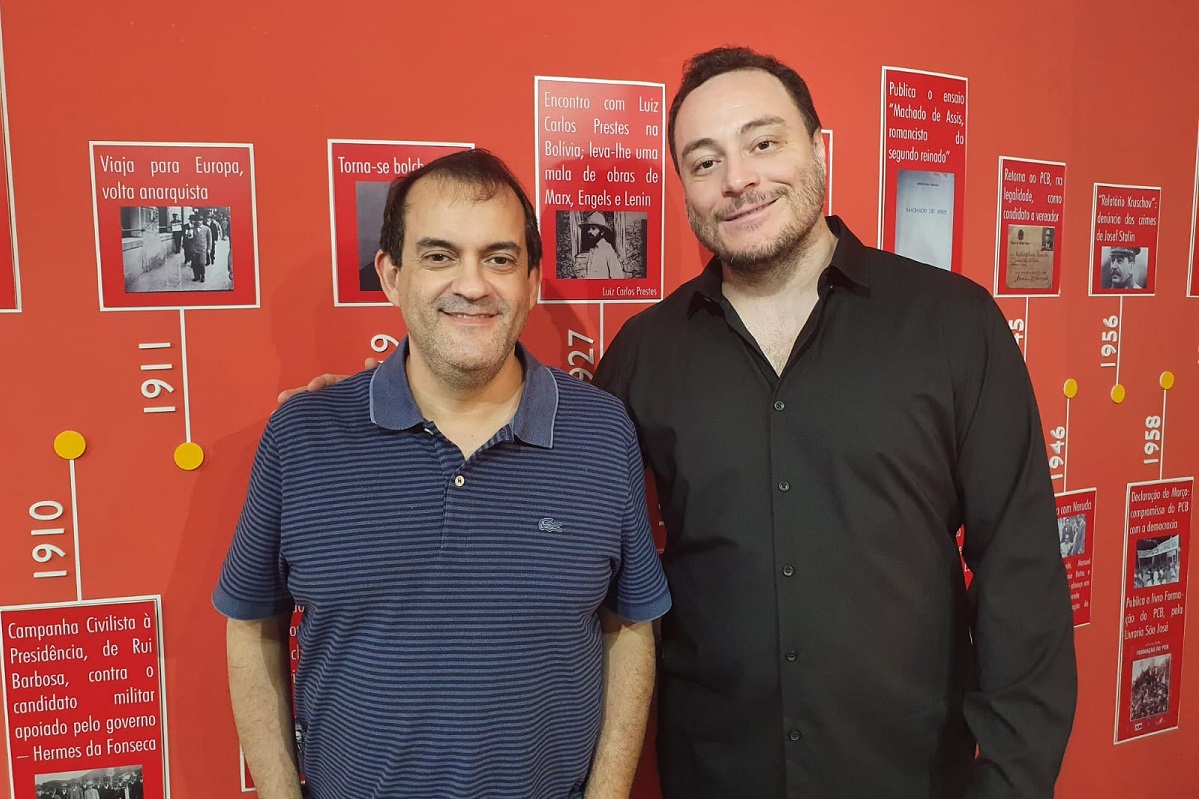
<point>537,196</point>
<point>96,223</point>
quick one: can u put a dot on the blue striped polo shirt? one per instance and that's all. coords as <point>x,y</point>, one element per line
<point>450,641</point>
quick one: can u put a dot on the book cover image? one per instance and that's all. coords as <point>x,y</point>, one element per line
<point>924,217</point>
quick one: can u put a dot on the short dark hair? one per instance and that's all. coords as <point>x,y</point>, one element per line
<point>701,68</point>
<point>478,169</point>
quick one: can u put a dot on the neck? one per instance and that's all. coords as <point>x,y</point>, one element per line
<point>794,273</point>
<point>468,409</point>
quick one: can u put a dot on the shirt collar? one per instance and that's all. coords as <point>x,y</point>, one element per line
<point>392,405</point>
<point>848,265</point>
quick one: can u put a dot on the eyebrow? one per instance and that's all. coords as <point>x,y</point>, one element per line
<point>498,246</point>
<point>753,124</point>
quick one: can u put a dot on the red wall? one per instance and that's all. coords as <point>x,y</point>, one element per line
<point>1107,87</point>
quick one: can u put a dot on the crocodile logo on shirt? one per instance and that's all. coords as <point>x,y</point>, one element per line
<point>548,525</point>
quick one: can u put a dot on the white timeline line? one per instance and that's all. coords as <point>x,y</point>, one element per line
<point>187,406</point>
<point>75,526</point>
<point>1066,460</point>
<point>1026,302</point>
<point>601,331</point>
<point>1119,338</point>
<point>1161,453</point>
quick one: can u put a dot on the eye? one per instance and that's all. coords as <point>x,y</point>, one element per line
<point>764,145</point>
<point>502,263</point>
<point>703,165</point>
<point>436,258</point>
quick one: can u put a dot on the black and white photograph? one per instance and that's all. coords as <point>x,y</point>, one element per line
<point>370,200</point>
<point>176,248</point>
<point>1150,687</point>
<point>1157,562</point>
<point>1072,534</point>
<point>121,782</point>
<point>1124,268</point>
<point>601,245</point>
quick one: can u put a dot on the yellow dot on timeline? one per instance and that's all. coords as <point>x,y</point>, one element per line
<point>1118,393</point>
<point>69,445</point>
<point>189,455</point>
<point>1070,388</point>
<point>1166,380</point>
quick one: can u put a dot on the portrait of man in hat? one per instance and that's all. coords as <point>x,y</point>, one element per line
<point>597,256</point>
<point>1122,272</point>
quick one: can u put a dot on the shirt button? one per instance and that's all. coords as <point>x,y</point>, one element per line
<point>459,480</point>
<point>779,405</point>
<point>791,656</point>
<point>784,485</point>
<point>788,571</point>
<point>794,735</point>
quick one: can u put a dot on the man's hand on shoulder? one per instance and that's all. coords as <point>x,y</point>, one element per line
<point>321,381</point>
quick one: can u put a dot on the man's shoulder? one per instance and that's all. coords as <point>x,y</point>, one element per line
<point>576,394</point>
<point>347,400</point>
<point>914,282</point>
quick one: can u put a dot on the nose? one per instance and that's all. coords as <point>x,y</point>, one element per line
<point>740,174</point>
<point>471,280</point>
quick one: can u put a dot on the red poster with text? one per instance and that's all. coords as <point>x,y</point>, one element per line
<point>1028,232</point>
<point>83,697</point>
<point>1076,535</point>
<point>1124,239</point>
<point>1156,546</point>
<point>175,225</point>
<point>922,185</point>
<point>600,188</point>
<point>360,173</point>
<point>297,615</point>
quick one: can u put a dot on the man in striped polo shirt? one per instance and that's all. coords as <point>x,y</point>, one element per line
<point>466,529</point>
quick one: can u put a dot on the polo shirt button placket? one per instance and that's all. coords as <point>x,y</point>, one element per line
<point>459,480</point>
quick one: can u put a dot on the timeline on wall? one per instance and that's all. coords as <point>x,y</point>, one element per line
<point>922,166</point>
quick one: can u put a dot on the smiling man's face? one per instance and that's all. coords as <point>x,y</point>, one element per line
<point>753,177</point>
<point>464,285</point>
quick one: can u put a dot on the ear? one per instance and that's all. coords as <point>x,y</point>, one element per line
<point>818,144</point>
<point>534,285</point>
<point>389,276</point>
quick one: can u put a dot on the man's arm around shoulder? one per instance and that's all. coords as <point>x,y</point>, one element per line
<point>260,690</point>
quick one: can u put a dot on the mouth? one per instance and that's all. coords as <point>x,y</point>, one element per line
<point>750,214</point>
<point>469,317</point>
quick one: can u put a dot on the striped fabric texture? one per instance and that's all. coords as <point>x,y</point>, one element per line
<point>450,643</point>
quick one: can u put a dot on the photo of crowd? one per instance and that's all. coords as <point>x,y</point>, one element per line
<point>1157,562</point>
<point>1150,687</point>
<point>122,782</point>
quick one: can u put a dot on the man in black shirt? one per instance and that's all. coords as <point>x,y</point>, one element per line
<point>821,417</point>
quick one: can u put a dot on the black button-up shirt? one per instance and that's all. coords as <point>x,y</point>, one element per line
<point>823,642</point>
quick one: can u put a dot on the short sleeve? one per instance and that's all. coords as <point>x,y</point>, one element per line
<point>638,592</point>
<point>253,581</point>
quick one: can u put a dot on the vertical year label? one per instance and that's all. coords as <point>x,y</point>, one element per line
<point>46,513</point>
<point>157,361</point>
